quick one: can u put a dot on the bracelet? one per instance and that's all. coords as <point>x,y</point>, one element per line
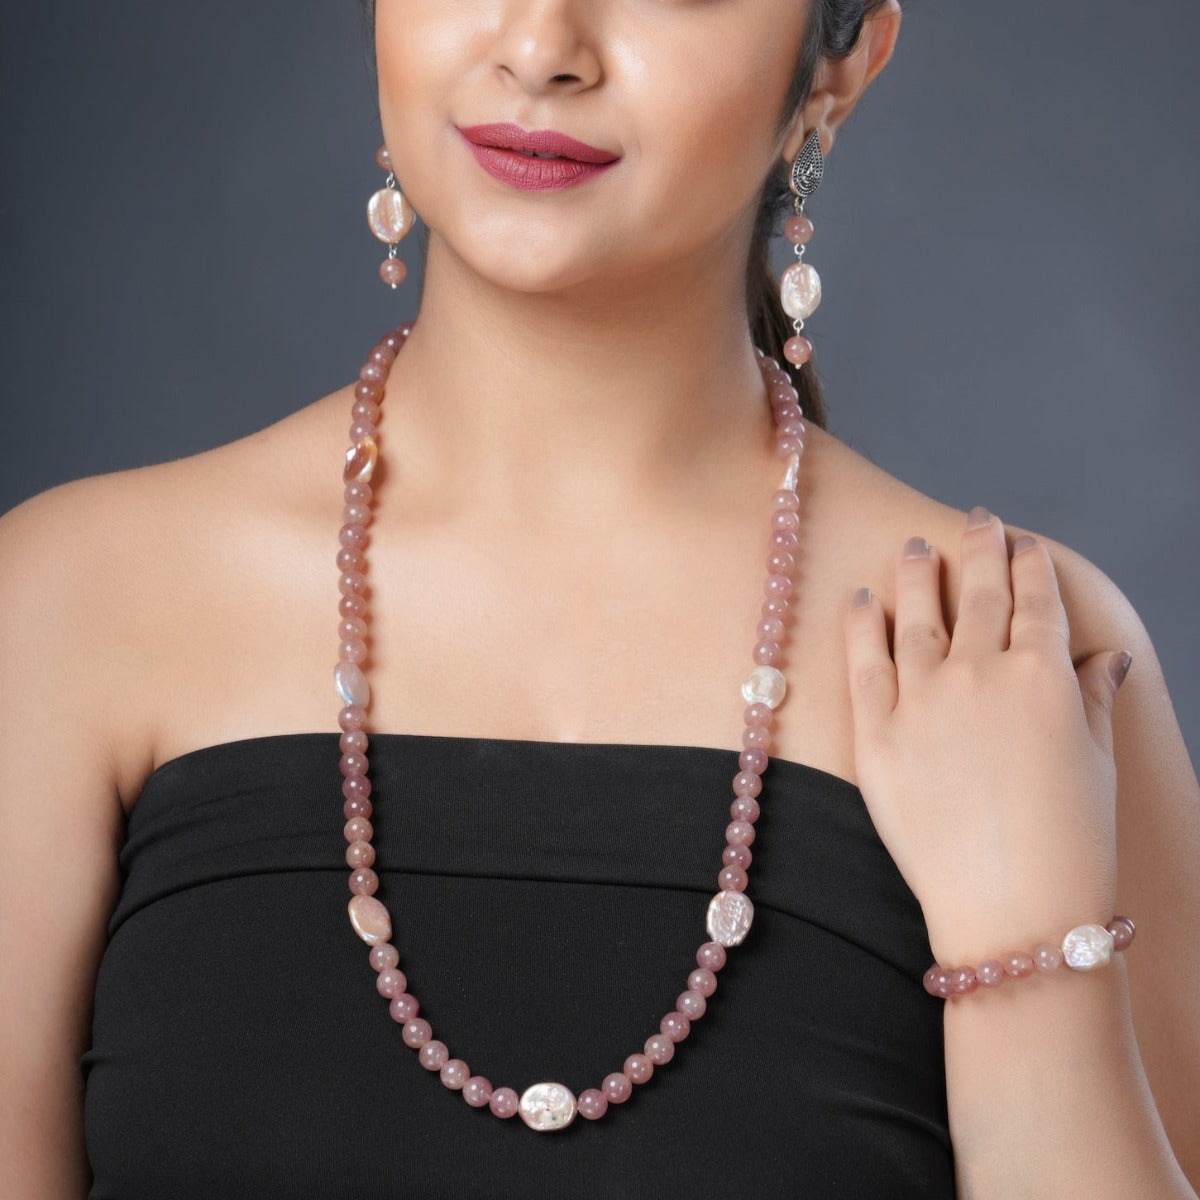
<point>1084,948</point>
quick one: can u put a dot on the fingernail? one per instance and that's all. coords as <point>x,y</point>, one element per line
<point>1022,543</point>
<point>1118,667</point>
<point>978,516</point>
<point>916,547</point>
<point>862,597</point>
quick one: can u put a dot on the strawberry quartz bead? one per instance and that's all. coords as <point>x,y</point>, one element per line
<point>675,1026</point>
<point>454,1074</point>
<point>745,808</point>
<point>798,350</point>
<point>592,1104</point>
<point>617,1087</point>
<point>990,973</point>
<point>384,955</point>
<point>737,856</point>
<point>1122,930</point>
<point>1047,957</point>
<point>659,1049</point>
<point>638,1068</point>
<point>1018,964</point>
<point>477,1091</point>
<point>416,1033</point>
<point>504,1102</point>
<point>434,1055</point>
<point>392,982</point>
<point>798,229</point>
<point>937,982</point>
<point>712,956</point>
<point>963,980</point>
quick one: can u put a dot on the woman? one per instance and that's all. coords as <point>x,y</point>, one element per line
<point>579,477</point>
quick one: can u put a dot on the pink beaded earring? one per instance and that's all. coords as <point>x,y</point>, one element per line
<point>800,285</point>
<point>390,217</point>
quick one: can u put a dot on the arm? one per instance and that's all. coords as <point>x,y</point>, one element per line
<point>1088,1086</point>
<point>60,829</point>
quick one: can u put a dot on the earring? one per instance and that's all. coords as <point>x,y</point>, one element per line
<point>800,285</point>
<point>390,217</point>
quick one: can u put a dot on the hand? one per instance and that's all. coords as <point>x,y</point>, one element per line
<point>986,759</point>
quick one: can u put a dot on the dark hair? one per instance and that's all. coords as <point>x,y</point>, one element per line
<point>832,33</point>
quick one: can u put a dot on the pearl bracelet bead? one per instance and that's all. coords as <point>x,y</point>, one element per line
<point>1084,948</point>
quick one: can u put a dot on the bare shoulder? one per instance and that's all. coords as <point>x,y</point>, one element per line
<point>109,573</point>
<point>883,512</point>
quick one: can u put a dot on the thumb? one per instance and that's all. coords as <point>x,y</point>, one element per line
<point>1099,678</point>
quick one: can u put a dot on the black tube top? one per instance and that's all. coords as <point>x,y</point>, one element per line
<point>547,901</point>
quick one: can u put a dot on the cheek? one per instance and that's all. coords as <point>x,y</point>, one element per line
<point>706,137</point>
<point>421,54</point>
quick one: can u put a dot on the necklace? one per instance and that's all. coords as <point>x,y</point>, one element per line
<point>548,1106</point>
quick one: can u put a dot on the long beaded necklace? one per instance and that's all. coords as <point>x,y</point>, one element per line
<point>548,1106</point>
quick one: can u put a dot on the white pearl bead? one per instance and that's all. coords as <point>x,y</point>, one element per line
<point>1087,947</point>
<point>389,215</point>
<point>547,1106</point>
<point>371,920</point>
<point>729,917</point>
<point>800,290</point>
<point>351,684</point>
<point>765,685</point>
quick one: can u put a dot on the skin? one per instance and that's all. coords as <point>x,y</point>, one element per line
<point>577,455</point>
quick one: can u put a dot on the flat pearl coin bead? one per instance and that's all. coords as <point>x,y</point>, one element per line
<point>370,919</point>
<point>547,1106</point>
<point>389,215</point>
<point>1087,947</point>
<point>766,685</point>
<point>800,290</point>
<point>729,917</point>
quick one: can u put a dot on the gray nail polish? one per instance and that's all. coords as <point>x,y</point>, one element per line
<point>916,547</point>
<point>978,516</point>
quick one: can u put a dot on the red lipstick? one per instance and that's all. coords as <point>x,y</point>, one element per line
<point>507,152</point>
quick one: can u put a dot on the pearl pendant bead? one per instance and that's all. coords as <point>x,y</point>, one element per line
<point>1087,947</point>
<point>729,917</point>
<point>547,1106</point>
<point>389,215</point>
<point>370,919</point>
<point>800,290</point>
<point>352,684</point>
<point>765,685</point>
<point>360,461</point>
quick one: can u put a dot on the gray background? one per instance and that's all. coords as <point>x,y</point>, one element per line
<point>1007,236</point>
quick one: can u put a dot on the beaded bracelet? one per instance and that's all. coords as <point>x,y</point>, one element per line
<point>1085,948</point>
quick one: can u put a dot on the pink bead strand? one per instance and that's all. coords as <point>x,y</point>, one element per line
<point>369,916</point>
<point>948,983</point>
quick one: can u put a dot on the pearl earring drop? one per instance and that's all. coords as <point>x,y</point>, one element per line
<point>800,285</point>
<point>390,217</point>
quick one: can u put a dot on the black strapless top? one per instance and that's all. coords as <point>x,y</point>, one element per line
<point>548,899</point>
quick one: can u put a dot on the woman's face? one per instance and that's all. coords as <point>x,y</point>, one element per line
<point>685,92</point>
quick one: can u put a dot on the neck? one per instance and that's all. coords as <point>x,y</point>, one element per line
<point>587,399</point>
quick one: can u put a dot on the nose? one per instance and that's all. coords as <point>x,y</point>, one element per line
<point>547,44</point>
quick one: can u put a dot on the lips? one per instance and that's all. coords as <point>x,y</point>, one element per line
<point>506,136</point>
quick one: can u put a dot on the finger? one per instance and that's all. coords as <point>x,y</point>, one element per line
<point>985,601</point>
<point>1039,620</point>
<point>919,639</point>
<point>1099,678</point>
<point>870,670</point>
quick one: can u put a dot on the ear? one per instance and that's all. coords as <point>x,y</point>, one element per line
<point>839,85</point>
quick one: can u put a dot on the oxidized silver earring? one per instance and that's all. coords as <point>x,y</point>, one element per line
<point>800,285</point>
<point>390,217</point>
